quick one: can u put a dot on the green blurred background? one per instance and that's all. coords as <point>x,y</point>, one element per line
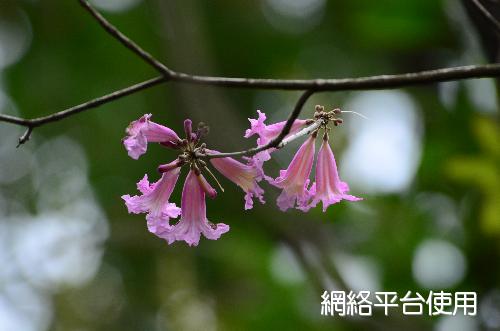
<point>426,163</point>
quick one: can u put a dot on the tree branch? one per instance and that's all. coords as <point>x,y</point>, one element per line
<point>310,86</point>
<point>126,41</point>
<point>493,21</point>
<point>349,84</point>
<point>316,85</point>
<point>35,122</point>
<point>25,137</point>
<point>366,83</point>
<point>278,142</point>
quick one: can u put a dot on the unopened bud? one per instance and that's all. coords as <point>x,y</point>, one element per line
<point>169,166</point>
<point>188,129</point>
<point>205,186</point>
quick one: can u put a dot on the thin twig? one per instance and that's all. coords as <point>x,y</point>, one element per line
<point>291,119</point>
<point>252,151</point>
<point>275,143</point>
<point>487,15</point>
<point>348,84</point>
<point>126,41</point>
<point>318,85</point>
<point>99,101</point>
<point>25,137</point>
<point>14,120</point>
<point>35,122</point>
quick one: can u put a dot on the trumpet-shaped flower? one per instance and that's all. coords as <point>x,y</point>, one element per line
<point>143,131</point>
<point>154,201</point>
<point>193,221</point>
<point>243,175</point>
<point>328,188</point>
<point>267,133</point>
<point>295,180</point>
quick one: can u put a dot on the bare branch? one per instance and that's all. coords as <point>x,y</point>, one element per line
<point>278,141</point>
<point>293,116</point>
<point>345,84</point>
<point>487,15</point>
<point>349,84</point>
<point>35,122</point>
<point>315,85</point>
<point>14,120</point>
<point>126,41</point>
<point>309,86</point>
<point>363,83</point>
<point>25,137</point>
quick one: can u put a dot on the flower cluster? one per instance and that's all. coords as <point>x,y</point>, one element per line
<point>294,181</point>
<point>154,198</point>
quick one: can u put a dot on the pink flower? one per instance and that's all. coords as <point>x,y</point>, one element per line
<point>193,220</point>
<point>267,133</point>
<point>295,180</point>
<point>154,201</point>
<point>257,163</point>
<point>245,176</point>
<point>328,188</point>
<point>143,131</point>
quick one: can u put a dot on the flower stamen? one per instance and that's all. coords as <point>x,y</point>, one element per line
<point>213,176</point>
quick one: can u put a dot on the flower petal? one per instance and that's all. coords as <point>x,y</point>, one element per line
<point>143,131</point>
<point>328,188</point>
<point>295,179</point>
<point>193,220</point>
<point>154,201</point>
<point>245,176</point>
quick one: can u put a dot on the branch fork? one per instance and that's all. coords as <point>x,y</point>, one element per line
<point>308,86</point>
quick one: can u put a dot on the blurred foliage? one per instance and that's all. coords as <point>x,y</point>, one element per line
<point>242,281</point>
<point>482,172</point>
